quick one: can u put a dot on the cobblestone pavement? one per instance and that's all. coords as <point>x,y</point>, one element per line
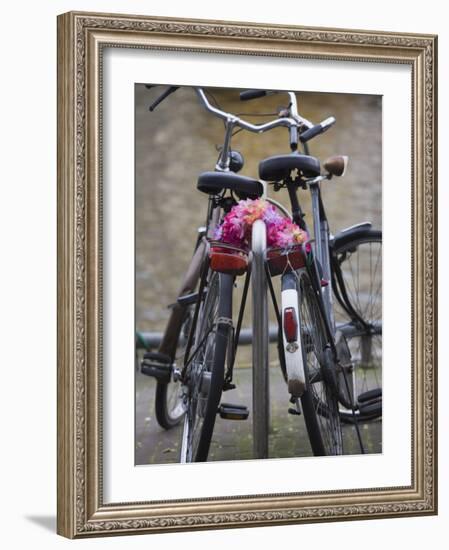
<point>232,440</point>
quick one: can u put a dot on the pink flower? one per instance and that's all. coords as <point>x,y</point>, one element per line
<point>271,215</point>
<point>233,231</point>
<point>237,225</point>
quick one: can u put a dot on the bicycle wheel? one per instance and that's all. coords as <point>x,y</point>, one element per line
<point>319,401</point>
<point>358,262</point>
<point>169,402</point>
<point>205,375</point>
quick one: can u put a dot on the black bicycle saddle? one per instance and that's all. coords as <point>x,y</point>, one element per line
<point>213,183</point>
<point>278,167</point>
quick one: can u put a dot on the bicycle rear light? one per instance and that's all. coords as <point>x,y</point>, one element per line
<point>290,324</point>
<point>228,260</point>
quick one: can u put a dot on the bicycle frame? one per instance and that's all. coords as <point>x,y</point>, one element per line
<point>321,256</point>
<point>321,267</point>
<point>321,234</point>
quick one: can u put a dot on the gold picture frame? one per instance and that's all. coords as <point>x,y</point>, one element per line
<point>81,39</point>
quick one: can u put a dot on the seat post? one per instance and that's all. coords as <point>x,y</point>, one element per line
<point>297,213</point>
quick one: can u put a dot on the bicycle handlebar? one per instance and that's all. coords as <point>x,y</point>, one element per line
<point>294,122</point>
<point>236,121</point>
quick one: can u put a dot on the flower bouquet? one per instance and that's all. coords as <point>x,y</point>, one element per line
<point>285,240</point>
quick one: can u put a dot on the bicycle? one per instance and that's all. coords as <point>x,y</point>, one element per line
<point>324,346</point>
<point>212,330</point>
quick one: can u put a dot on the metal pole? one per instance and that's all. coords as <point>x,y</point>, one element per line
<point>261,416</point>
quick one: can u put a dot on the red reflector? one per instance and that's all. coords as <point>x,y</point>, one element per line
<point>290,324</point>
<point>228,261</point>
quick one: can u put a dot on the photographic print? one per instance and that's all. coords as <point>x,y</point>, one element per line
<point>308,381</point>
<point>246,274</point>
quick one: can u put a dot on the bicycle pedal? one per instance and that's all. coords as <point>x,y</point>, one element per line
<point>157,365</point>
<point>370,395</point>
<point>293,411</point>
<point>371,408</point>
<point>233,412</point>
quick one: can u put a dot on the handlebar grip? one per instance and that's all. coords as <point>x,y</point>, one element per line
<point>310,133</point>
<point>317,129</point>
<point>252,94</point>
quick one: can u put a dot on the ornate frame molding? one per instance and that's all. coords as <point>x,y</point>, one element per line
<point>81,37</point>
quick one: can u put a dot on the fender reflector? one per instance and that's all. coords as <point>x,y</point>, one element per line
<point>228,260</point>
<point>290,323</point>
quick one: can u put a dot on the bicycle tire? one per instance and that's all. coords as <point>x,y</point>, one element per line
<point>168,416</point>
<point>169,401</point>
<point>360,261</point>
<point>319,402</point>
<point>206,371</point>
